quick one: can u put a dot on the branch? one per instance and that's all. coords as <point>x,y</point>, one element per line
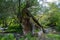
<point>30,15</point>
<point>34,19</point>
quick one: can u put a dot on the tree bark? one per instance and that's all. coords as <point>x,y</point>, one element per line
<point>24,18</point>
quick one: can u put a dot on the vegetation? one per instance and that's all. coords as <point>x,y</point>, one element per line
<point>29,20</point>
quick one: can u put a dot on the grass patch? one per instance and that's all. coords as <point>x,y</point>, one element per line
<point>53,36</point>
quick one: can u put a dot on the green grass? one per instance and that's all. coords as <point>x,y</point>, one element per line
<point>7,37</point>
<point>29,37</point>
<point>53,36</point>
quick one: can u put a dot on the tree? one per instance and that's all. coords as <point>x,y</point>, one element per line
<point>16,12</point>
<point>25,18</point>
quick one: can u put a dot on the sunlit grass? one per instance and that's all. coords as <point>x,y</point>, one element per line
<point>53,36</point>
<point>29,37</point>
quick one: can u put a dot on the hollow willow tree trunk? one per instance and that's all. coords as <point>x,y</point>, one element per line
<point>29,15</point>
<point>27,26</point>
<point>24,19</point>
<point>26,23</point>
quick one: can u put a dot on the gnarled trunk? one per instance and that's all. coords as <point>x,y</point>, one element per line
<point>24,18</point>
<point>27,26</point>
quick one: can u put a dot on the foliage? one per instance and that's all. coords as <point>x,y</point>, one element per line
<point>7,37</point>
<point>45,15</point>
<point>54,37</point>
